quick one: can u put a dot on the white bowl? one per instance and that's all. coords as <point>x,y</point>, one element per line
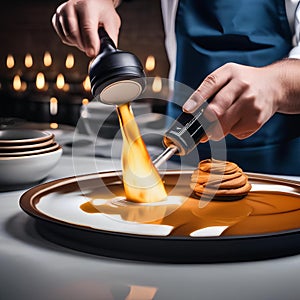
<point>20,152</point>
<point>21,171</point>
<point>25,147</point>
<point>23,136</point>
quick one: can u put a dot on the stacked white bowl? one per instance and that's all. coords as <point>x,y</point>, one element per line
<point>26,156</point>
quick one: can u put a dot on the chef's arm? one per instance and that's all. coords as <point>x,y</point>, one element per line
<point>76,23</point>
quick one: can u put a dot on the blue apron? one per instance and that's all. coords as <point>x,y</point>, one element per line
<point>211,33</point>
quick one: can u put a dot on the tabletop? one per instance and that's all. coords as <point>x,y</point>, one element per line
<point>32,267</point>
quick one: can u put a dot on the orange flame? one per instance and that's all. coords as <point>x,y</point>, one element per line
<point>85,101</point>
<point>70,61</point>
<point>86,84</point>
<point>28,62</point>
<point>17,84</point>
<point>47,59</point>
<point>60,81</point>
<point>157,84</point>
<point>150,63</point>
<point>141,180</point>
<point>10,61</point>
<point>40,81</point>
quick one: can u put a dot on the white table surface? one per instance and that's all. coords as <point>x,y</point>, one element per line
<point>34,268</point>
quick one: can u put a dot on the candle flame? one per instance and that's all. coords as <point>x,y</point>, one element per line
<point>47,59</point>
<point>53,125</point>
<point>70,61</point>
<point>10,61</point>
<point>53,106</point>
<point>40,81</point>
<point>85,101</point>
<point>157,84</point>
<point>17,84</point>
<point>87,84</point>
<point>150,63</point>
<point>66,87</point>
<point>28,62</point>
<point>23,86</point>
<point>60,81</point>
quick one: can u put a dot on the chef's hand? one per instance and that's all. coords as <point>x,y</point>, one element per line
<point>244,98</point>
<point>77,21</point>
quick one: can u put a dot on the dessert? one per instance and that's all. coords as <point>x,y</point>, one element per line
<point>220,180</point>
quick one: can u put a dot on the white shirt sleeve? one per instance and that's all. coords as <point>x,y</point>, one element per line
<point>169,9</point>
<point>295,52</point>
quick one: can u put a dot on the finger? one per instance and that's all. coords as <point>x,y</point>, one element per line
<point>70,24</point>
<point>244,128</point>
<point>66,25</point>
<point>213,132</point>
<point>240,120</point>
<point>220,107</point>
<point>210,86</point>
<point>89,24</point>
<point>57,27</point>
<point>112,26</point>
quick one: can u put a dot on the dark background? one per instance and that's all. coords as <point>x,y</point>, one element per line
<point>25,27</point>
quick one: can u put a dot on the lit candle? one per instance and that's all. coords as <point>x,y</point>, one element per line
<point>47,60</point>
<point>41,91</point>
<point>29,74</point>
<point>17,84</point>
<point>70,61</point>
<point>53,125</point>
<point>19,87</point>
<point>10,61</point>
<point>150,63</point>
<point>10,65</point>
<point>72,75</point>
<point>85,101</point>
<point>60,81</point>
<point>48,66</point>
<point>66,87</point>
<point>28,61</point>
<point>157,84</point>
<point>86,84</point>
<point>40,82</point>
<point>61,87</point>
<point>53,106</point>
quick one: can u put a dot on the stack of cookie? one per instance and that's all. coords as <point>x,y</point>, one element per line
<point>219,180</point>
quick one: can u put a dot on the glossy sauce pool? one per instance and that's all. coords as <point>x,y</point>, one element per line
<point>258,213</point>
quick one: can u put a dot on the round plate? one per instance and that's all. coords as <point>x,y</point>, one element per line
<point>57,207</point>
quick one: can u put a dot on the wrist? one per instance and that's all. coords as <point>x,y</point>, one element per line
<point>289,84</point>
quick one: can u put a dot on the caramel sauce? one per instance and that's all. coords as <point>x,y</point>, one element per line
<point>258,213</point>
<point>142,182</point>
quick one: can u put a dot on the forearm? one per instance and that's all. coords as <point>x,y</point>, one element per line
<point>288,72</point>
